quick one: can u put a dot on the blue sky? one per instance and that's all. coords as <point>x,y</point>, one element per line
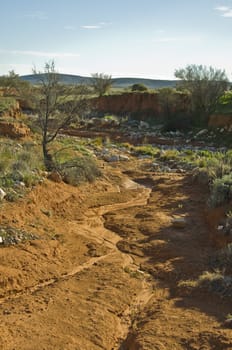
<point>132,38</point>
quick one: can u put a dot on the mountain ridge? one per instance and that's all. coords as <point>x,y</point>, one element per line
<point>122,82</point>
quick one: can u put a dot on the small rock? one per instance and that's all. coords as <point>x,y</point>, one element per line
<point>55,176</point>
<point>143,125</point>
<point>6,312</point>
<point>201,132</point>
<point>179,222</point>
<point>123,157</point>
<point>1,240</point>
<point>111,158</point>
<point>2,194</point>
<point>228,323</point>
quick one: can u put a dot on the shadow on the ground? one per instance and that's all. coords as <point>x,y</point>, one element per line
<point>171,254</point>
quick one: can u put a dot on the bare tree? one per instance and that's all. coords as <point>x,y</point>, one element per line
<point>206,85</point>
<point>101,83</point>
<point>57,107</point>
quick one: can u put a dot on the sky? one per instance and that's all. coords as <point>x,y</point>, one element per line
<point>122,38</point>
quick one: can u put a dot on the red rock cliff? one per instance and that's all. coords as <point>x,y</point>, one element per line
<point>135,102</point>
<point>128,102</point>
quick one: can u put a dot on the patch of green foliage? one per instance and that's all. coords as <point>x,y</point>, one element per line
<point>74,162</point>
<point>221,190</point>
<point>139,87</point>
<point>7,103</point>
<point>224,105</point>
<point>21,166</point>
<point>145,150</point>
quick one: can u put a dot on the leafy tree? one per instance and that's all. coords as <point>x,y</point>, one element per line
<point>226,99</point>
<point>174,105</point>
<point>138,87</point>
<point>57,107</point>
<point>206,85</point>
<point>13,85</point>
<point>101,83</point>
<point>167,100</point>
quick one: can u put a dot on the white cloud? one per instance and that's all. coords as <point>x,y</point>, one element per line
<point>97,26</point>
<point>91,27</point>
<point>224,10</point>
<point>41,53</point>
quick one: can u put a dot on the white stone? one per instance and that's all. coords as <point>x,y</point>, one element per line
<point>123,157</point>
<point>2,194</point>
<point>202,132</point>
<point>179,222</point>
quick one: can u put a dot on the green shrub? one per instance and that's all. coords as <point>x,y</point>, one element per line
<point>30,179</point>
<point>20,167</point>
<point>139,87</point>
<point>79,170</point>
<point>221,190</point>
<point>6,103</point>
<point>222,259</point>
<point>145,150</point>
<point>170,154</point>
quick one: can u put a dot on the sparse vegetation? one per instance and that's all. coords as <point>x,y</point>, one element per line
<point>139,87</point>
<point>101,83</point>
<point>221,190</point>
<point>206,85</point>
<point>75,164</point>
<point>7,103</point>
<point>54,110</point>
<point>12,85</point>
<point>20,168</point>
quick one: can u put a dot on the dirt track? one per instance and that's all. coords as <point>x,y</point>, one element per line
<point>104,272</point>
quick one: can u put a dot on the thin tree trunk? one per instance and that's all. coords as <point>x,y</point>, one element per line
<point>48,162</point>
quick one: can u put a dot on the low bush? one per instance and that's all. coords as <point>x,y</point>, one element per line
<point>20,167</point>
<point>74,162</point>
<point>139,87</point>
<point>7,103</point>
<point>222,259</point>
<point>221,191</point>
<point>145,150</point>
<point>79,170</point>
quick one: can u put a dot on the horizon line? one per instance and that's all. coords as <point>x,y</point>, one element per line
<point>113,77</point>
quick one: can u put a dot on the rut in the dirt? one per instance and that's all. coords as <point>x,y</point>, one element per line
<point>94,230</point>
<point>172,318</point>
<point>121,291</point>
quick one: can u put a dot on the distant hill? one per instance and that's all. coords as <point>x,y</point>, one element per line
<point>150,83</point>
<point>117,82</point>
